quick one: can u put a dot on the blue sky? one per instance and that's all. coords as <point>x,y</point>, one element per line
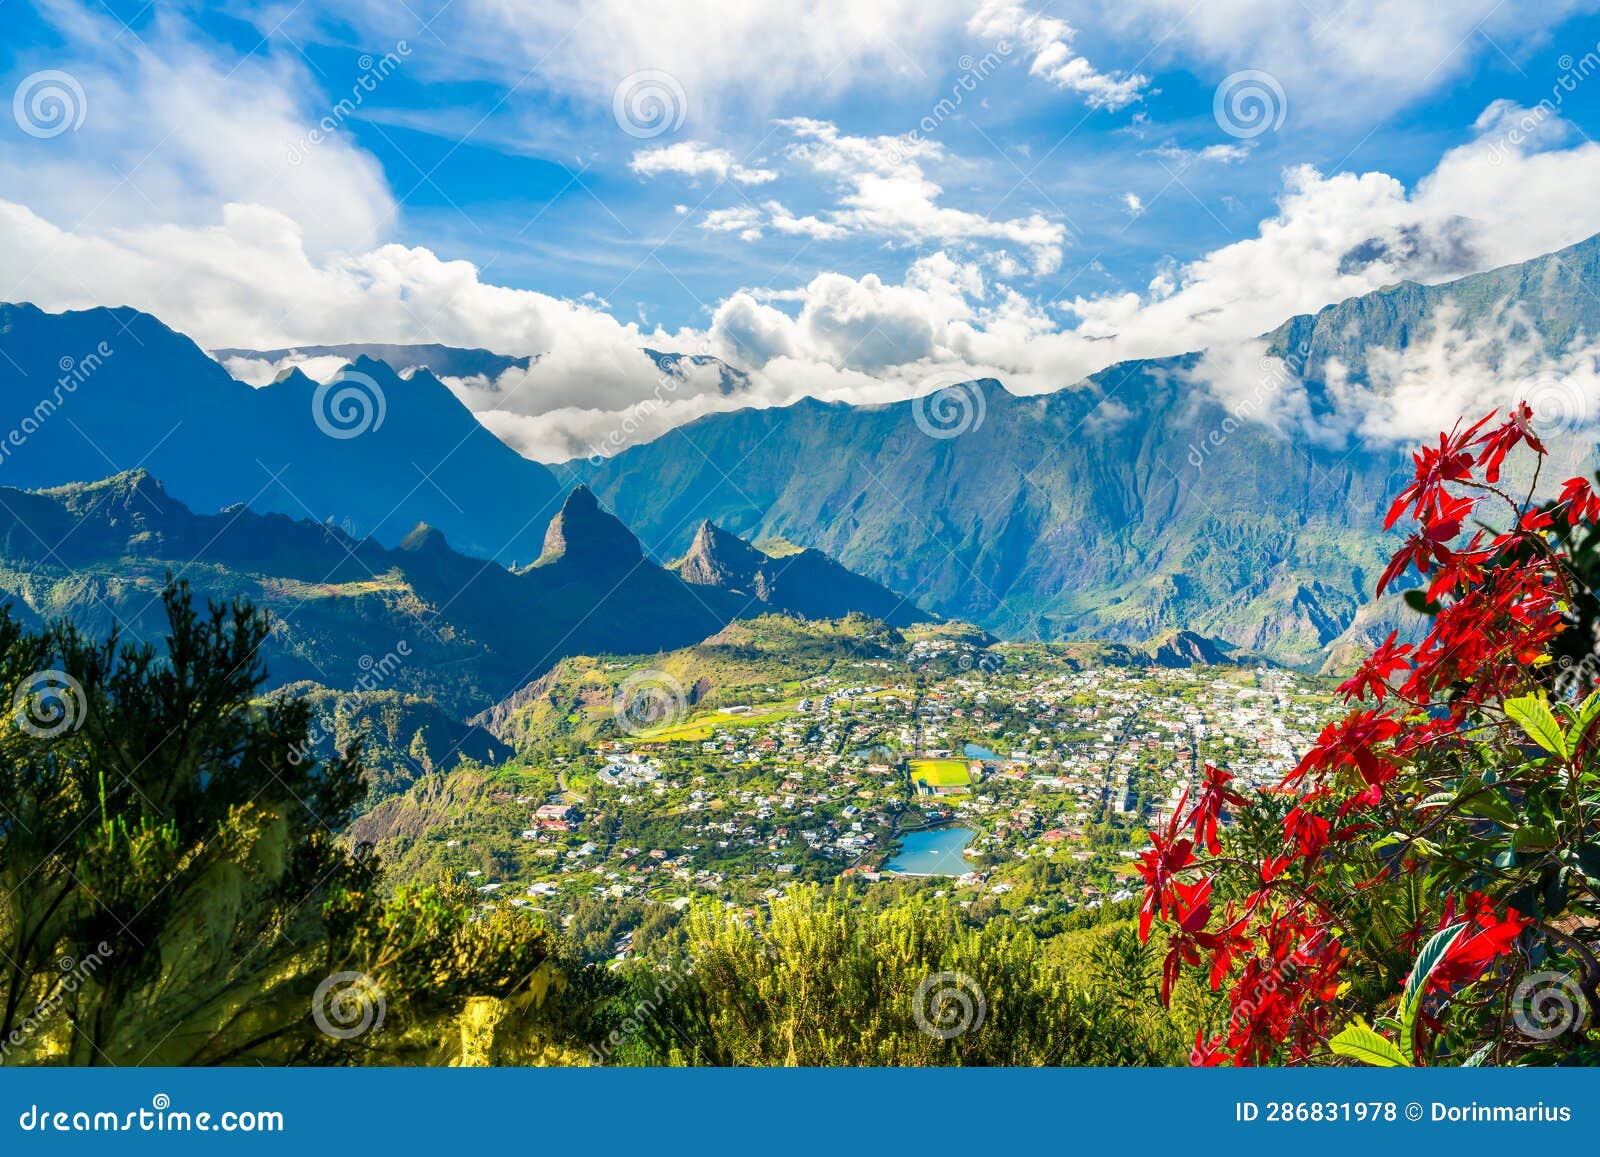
<point>798,201</point>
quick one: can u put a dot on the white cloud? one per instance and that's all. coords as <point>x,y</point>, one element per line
<point>1451,371</point>
<point>248,278</point>
<point>784,221</point>
<point>697,159</point>
<point>166,137</point>
<point>740,219</point>
<point>884,191</point>
<point>1183,158</point>
<point>1352,60</point>
<point>1050,41</point>
<point>725,54</point>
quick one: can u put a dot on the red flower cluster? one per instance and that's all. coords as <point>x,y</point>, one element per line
<point>1496,603</point>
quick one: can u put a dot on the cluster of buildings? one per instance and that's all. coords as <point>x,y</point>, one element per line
<point>1066,767</point>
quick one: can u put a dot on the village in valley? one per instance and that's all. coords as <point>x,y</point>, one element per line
<point>1014,778</point>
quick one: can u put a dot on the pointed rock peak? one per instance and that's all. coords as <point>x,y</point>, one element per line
<point>579,498</point>
<point>424,539</point>
<point>719,558</point>
<point>293,376</point>
<point>583,534</point>
<point>709,536</point>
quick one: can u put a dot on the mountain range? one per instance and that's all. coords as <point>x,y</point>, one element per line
<point>1144,497</point>
<point>94,392</point>
<point>431,622</point>
<point>1240,502</point>
<point>805,582</point>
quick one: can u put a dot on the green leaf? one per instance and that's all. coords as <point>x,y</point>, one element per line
<point>1589,859</point>
<point>1417,983</point>
<point>1533,839</point>
<point>1476,1059</point>
<point>1587,711</point>
<point>1532,714</point>
<point>1487,803</point>
<point>1359,1042</point>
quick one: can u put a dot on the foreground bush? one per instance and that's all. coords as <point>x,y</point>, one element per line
<point>1424,887</point>
<point>176,889</point>
<point>818,981</point>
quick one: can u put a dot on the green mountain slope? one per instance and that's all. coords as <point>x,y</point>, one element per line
<point>1127,504</point>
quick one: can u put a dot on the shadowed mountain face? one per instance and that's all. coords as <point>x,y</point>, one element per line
<point>1135,501</point>
<point>431,621</point>
<point>806,583</point>
<point>102,390</point>
<point>1154,495</point>
<point>586,540</point>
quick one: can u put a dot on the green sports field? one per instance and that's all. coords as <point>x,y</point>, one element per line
<point>940,772</point>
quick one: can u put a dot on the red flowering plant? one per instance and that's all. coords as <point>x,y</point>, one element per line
<point>1424,886</point>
